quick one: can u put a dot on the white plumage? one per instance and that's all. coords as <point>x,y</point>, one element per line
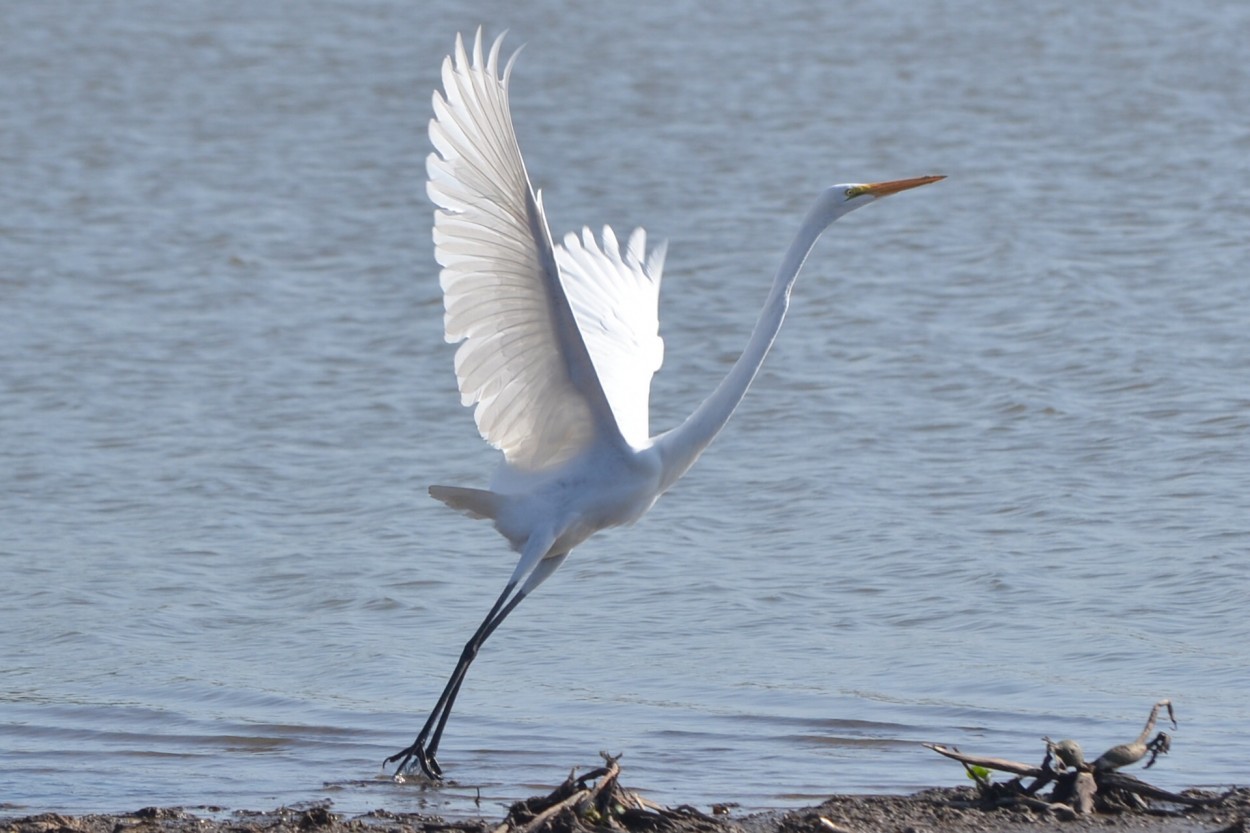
<point>544,384</point>
<point>558,345</point>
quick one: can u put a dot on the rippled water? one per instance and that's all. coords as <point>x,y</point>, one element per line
<point>992,483</point>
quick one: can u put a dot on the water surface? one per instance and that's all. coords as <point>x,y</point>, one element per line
<point>991,485</point>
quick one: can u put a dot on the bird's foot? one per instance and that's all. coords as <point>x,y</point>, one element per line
<point>413,758</point>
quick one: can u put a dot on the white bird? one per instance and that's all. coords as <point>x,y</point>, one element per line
<point>558,344</point>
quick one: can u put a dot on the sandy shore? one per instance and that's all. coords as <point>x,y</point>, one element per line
<point>930,811</point>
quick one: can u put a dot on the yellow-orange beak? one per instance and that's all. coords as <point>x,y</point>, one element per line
<point>884,189</point>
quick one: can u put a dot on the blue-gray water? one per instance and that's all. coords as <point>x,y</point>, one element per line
<point>993,483</point>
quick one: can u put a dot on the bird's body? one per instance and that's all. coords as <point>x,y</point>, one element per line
<point>558,344</point>
<point>601,488</point>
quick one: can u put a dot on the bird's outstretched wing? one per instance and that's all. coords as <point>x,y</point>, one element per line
<point>615,296</point>
<point>523,361</point>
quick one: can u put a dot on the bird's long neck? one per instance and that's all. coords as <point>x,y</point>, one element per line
<point>681,446</point>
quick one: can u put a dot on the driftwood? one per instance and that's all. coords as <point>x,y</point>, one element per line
<point>596,803</point>
<point>1079,788</point>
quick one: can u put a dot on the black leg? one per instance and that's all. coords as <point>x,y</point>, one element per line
<point>437,721</point>
<point>442,721</point>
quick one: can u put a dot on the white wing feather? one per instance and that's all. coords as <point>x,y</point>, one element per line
<point>544,387</point>
<point>615,297</point>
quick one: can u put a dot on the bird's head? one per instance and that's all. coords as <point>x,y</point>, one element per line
<point>844,198</point>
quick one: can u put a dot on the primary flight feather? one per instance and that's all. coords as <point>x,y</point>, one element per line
<point>557,343</point>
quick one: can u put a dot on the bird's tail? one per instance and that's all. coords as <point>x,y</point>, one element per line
<point>478,504</point>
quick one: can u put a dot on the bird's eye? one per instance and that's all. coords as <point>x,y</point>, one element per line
<point>853,192</point>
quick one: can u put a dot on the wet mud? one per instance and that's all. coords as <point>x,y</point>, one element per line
<point>583,808</point>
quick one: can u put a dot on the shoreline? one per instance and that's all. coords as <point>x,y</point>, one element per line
<point>937,810</point>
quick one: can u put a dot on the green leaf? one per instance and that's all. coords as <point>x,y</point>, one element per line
<point>978,773</point>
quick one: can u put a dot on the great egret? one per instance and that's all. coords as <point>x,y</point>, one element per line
<point>558,344</point>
